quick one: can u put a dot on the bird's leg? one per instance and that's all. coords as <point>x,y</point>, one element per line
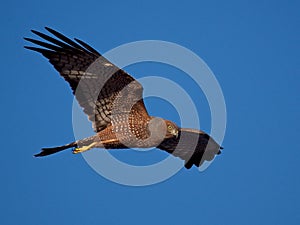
<point>84,148</point>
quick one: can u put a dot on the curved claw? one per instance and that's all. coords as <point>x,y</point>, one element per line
<point>83,149</point>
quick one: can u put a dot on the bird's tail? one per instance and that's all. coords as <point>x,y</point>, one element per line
<point>49,151</point>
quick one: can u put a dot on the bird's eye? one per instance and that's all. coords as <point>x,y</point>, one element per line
<point>170,127</point>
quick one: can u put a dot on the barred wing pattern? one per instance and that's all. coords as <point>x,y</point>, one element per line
<point>96,82</point>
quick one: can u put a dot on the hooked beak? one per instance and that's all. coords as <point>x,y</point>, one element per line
<point>175,133</point>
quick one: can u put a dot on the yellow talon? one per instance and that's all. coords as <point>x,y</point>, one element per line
<point>84,148</point>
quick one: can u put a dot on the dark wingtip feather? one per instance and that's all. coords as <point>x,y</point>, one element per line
<point>44,44</point>
<point>34,49</point>
<point>88,47</point>
<point>27,39</point>
<point>35,32</point>
<point>43,51</point>
<point>50,29</point>
<point>64,38</point>
<point>62,44</point>
<point>188,165</point>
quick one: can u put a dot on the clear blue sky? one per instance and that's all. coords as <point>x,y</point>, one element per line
<point>253,49</point>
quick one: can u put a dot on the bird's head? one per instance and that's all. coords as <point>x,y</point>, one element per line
<point>172,129</point>
<point>161,129</point>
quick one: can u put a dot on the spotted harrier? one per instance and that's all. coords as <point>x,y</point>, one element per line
<point>113,102</point>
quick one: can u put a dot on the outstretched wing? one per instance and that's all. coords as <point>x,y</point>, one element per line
<point>99,86</point>
<point>193,146</point>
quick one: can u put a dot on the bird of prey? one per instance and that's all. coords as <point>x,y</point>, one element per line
<point>113,102</point>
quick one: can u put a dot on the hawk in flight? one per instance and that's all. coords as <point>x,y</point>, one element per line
<point>113,102</point>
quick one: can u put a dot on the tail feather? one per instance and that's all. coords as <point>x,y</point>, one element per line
<point>49,151</point>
